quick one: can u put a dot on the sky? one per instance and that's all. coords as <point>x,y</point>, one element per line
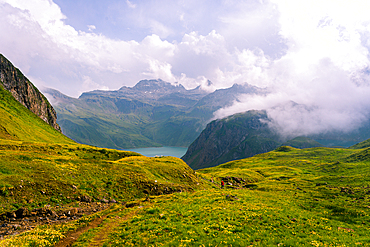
<point>313,55</point>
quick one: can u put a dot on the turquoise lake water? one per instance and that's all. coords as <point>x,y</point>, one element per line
<point>165,151</point>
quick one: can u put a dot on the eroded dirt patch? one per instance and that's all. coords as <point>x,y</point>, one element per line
<point>13,223</point>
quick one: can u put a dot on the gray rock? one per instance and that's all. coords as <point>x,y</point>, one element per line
<point>104,200</point>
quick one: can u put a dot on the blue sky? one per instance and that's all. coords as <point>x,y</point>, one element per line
<point>314,53</point>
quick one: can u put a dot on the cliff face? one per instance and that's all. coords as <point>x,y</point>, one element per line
<point>239,136</point>
<point>26,93</point>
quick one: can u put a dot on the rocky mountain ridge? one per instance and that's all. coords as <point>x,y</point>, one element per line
<point>26,93</point>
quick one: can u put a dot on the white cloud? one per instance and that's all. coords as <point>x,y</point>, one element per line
<point>159,69</point>
<point>91,27</point>
<point>89,83</point>
<point>160,29</point>
<point>322,70</point>
<point>130,4</point>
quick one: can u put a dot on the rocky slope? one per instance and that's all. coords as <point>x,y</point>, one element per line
<point>26,93</point>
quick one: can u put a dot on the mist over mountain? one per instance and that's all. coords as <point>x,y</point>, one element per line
<point>324,99</point>
<point>253,132</point>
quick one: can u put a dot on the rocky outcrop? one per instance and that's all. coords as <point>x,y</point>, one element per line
<point>26,93</point>
<point>238,136</point>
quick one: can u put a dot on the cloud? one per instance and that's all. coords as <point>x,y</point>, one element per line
<point>314,53</point>
<point>324,70</point>
<point>160,29</point>
<point>65,56</point>
<point>91,27</point>
<point>61,57</point>
<point>130,4</point>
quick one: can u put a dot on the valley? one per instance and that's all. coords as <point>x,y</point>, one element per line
<point>55,191</point>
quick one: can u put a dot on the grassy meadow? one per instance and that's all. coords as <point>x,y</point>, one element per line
<point>287,197</point>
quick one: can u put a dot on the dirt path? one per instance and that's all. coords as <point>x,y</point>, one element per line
<point>103,233</point>
<point>73,236</point>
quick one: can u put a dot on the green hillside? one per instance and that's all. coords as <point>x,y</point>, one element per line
<point>130,117</point>
<point>66,172</point>
<point>235,137</point>
<point>364,144</point>
<point>41,170</point>
<point>302,142</point>
<point>249,133</point>
<point>287,197</point>
<point>18,123</point>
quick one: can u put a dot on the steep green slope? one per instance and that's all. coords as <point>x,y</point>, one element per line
<point>235,137</point>
<point>40,166</point>
<point>246,134</point>
<point>26,93</point>
<point>129,117</point>
<point>18,123</point>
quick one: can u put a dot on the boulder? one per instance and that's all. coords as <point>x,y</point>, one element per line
<point>85,199</point>
<point>22,212</point>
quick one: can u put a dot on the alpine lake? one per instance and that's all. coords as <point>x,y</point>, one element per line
<point>161,151</point>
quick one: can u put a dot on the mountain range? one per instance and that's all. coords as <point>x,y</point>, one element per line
<point>152,113</point>
<point>156,113</point>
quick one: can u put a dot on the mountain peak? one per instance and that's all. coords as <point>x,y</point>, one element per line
<point>157,86</point>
